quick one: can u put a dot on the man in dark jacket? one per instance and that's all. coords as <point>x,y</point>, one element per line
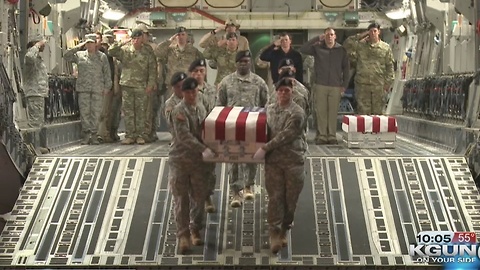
<point>331,79</point>
<point>281,49</point>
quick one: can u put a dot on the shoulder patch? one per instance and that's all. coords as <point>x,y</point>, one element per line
<point>180,117</point>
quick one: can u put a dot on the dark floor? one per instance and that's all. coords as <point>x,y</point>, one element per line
<point>93,206</point>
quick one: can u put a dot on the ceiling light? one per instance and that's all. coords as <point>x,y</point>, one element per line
<point>397,14</point>
<point>113,15</point>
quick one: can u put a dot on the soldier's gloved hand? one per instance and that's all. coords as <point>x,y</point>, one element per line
<point>260,154</point>
<point>208,153</point>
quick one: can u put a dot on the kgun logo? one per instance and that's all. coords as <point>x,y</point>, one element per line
<point>439,254</point>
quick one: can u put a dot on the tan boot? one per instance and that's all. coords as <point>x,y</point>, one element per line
<point>195,238</point>
<point>248,193</point>
<point>275,242</point>
<point>128,141</point>
<point>209,207</point>
<point>183,244</point>
<point>140,140</point>
<point>237,200</point>
<point>94,139</point>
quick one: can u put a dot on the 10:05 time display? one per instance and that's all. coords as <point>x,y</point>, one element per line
<point>445,237</point>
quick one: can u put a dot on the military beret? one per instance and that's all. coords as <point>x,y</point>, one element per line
<point>189,84</point>
<point>181,29</point>
<point>197,63</point>
<point>177,77</point>
<point>288,82</point>
<point>231,35</point>
<point>136,33</point>
<point>373,25</point>
<point>285,62</point>
<point>242,54</point>
<point>286,74</point>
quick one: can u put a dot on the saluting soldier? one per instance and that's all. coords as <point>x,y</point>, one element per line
<point>246,89</point>
<point>176,56</point>
<point>137,81</point>
<point>94,80</point>
<point>373,62</point>
<point>284,157</point>
<point>186,167</point>
<point>224,56</point>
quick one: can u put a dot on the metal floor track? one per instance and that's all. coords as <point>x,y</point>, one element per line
<point>356,210</point>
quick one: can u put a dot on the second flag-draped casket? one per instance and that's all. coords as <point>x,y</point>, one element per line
<point>235,133</point>
<point>369,131</point>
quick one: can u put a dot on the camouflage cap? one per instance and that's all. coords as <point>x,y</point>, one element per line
<point>197,63</point>
<point>35,37</point>
<point>180,29</point>
<point>136,33</point>
<point>142,27</point>
<point>242,54</point>
<point>285,62</point>
<point>232,23</point>
<point>90,38</point>
<point>189,84</point>
<point>108,33</point>
<point>231,35</point>
<point>285,82</point>
<point>177,77</point>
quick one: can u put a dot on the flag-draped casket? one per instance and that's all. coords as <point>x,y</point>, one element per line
<point>235,133</point>
<point>369,131</point>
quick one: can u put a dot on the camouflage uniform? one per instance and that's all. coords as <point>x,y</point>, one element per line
<point>209,96</point>
<point>139,71</point>
<point>249,91</point>
<point>94,78</point>
<point>153,105</point>
<point>186,168</point>
<point>224,58</point>
<point>35,86</point>
<point>170,104</point>
<point>284,167</point>
<point>374,71</point>
<point>173,59</point>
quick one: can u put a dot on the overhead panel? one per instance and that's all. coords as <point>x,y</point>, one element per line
<point>281,6</point>
<point>337,5</point>
<point>178,3</point>
<point>222,5</point>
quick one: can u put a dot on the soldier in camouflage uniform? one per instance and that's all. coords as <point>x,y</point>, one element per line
<point>301,95</point>
<point>373,62</point>
<point>154,99</point>
<point>207,96</point>
<point>35,82</point>
<point>94,81</point>
<point>246,89</point>
<point>186,168</point>
<point>284,162</point>
<point>176,97</point>
<point>137,82</point>
<point>176,56</point>
<point>224,56</point>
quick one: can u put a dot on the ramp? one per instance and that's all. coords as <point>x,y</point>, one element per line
<point>97,211</point>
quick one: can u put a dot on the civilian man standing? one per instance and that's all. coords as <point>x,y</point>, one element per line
<point>331,79</point>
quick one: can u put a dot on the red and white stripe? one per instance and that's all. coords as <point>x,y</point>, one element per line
<point>235,124</point>
<point>369,123</point>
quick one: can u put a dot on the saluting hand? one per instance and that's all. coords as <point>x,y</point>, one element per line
<point>173,37</point>
<point>222,42</point>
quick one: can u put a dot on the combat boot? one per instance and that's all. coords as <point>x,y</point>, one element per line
<point>86,138</point>
<point>94,139</point>
<point>127,141</point>
<point>114,135</point>
<point>140,140</point>
<point>209,207</point>
<point>183,244</point>
<point>248,193</point>
<point>236,200</point>
<point>195,238</point>
<point>275,241</point>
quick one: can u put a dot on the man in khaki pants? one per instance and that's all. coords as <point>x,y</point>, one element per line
<point>331,79</point>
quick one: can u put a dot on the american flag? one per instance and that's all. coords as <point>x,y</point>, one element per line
<point>369,123</point>
<point>236,124</point>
